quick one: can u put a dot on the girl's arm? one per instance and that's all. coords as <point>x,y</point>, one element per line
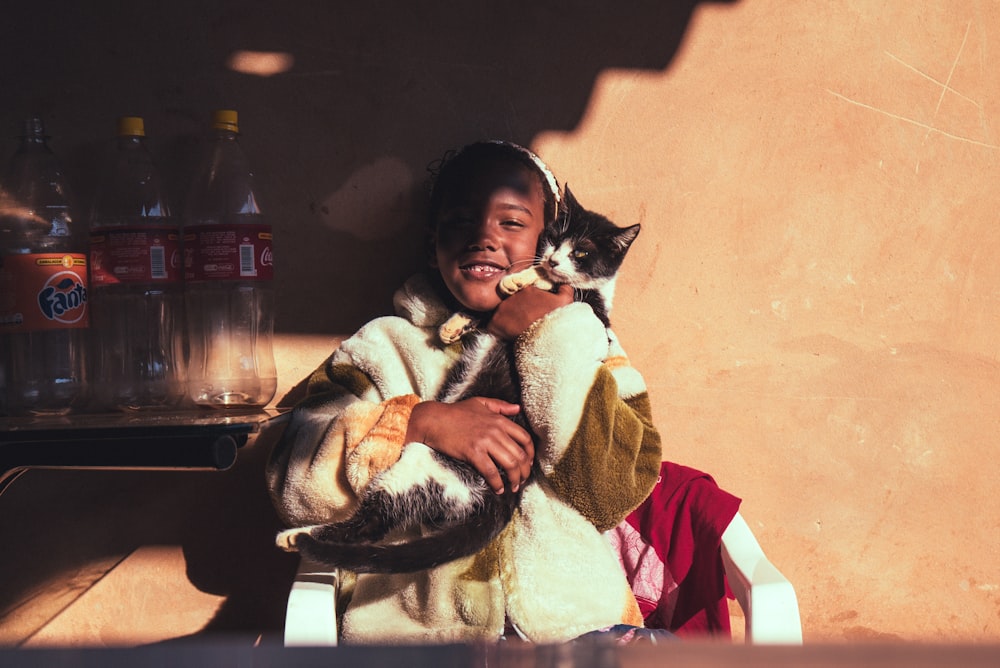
<point>308,474</point>
<point>589,408</point>
<point>477,431</point>
<point>368,401</point>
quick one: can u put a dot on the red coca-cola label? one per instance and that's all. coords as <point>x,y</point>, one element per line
<point>43,291</point>
<point>228,252</point>
<point>135,255</point>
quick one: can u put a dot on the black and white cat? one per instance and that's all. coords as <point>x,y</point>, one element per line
<point>448,499</point>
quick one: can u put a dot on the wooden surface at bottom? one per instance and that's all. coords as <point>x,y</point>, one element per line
<point>237,652</point>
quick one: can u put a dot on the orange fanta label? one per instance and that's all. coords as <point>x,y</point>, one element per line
<point>42,291</point>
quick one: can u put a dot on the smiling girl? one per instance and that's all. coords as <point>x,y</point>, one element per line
<point>551,575</point>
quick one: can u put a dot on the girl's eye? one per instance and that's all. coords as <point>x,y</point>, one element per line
<point>513,223</point>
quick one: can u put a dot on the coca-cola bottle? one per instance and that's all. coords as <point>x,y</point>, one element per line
<point>136,293</point>
<point>43,284</point>
<point>229,293</point>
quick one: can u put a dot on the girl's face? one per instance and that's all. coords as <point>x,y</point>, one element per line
<point>486,227</point>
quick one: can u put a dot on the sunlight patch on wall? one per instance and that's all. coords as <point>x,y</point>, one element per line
<point>260,63</point>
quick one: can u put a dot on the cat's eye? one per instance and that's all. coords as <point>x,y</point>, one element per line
<point>580,254</point>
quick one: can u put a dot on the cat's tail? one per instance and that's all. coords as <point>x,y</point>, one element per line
<point>447,544</point>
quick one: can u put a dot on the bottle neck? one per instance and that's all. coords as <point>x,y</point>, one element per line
<point>31,144</point>
<point>224,190</point>
<point>131,142</point>
<point>34,133</point>
<point>130,191</point>
<point>221,134</point>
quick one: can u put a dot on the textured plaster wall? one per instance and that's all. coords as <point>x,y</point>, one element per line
<point>814,299</point>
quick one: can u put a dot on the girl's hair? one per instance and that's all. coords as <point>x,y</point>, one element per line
<point>455,167</point>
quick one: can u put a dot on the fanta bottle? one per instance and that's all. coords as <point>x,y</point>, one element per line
<point>43,284</point>
<point>228,275</point>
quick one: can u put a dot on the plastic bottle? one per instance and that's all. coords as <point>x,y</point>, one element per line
<point>43,284</point>
<point>136,293</point>
<point>229,293</point>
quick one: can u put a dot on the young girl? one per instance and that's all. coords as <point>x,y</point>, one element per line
<point>550,575</point>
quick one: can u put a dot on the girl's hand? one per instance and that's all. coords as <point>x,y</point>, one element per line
<point>477,431</point>
<point>519,311</point>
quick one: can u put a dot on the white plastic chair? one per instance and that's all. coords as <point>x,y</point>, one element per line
<point>766,597</point>
<point>311,613</point>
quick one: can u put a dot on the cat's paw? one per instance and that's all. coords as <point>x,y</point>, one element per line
<point>286,539</point>
<point>508,285</point>
<point>511,283</point>
<point>455,327</point>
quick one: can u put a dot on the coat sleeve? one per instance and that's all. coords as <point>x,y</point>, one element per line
<point>338,437</point>
<point>589,408</point>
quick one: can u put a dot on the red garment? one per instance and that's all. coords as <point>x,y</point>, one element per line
<point>669,548</point>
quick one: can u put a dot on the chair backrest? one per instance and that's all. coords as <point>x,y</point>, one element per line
<point>767,598</point>
<point>311,613</point>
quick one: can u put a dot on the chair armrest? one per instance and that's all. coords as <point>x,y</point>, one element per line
<point>766,596</point>
<point>311,614</point>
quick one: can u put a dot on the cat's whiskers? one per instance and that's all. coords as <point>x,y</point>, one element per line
<point>520,264</point>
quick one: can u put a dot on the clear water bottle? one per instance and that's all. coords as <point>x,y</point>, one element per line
<point>228,273</point>
<point>43,284</point>
<point>136,292</point>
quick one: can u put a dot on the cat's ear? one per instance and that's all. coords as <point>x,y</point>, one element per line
<point>625,236</point>
<point>568,198</point>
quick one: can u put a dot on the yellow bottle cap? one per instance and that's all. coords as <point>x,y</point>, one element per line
<point>225,119</point>
<point>131,126</point>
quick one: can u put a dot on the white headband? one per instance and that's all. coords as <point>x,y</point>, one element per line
<point>550,179</point>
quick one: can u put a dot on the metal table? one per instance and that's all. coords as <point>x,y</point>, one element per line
<point>185,440</point>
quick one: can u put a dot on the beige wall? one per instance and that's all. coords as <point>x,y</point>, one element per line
<point>814,298</point>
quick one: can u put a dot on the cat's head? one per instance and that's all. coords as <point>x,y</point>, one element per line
<point>583,248</point>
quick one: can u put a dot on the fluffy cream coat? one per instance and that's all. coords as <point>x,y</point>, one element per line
<point>550,575</point>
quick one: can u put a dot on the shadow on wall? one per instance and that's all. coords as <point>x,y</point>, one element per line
<point>341,143</point>
<point>342,139</point>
